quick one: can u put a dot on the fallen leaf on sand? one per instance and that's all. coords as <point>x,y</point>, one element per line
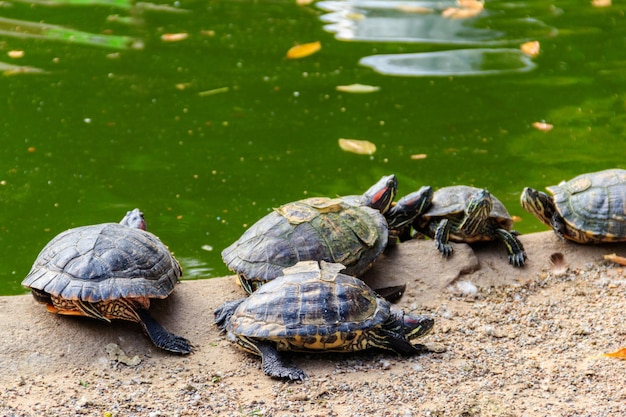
<point>361,147</point>
<point>617,259</point>
<point>620,354</point>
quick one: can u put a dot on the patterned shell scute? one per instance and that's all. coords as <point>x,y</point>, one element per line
<point>306,210</point>
<point>332,230</point>
<point>451,200</point>
<point>594,203</point>
<point>302,306</point>
<point>104,262</point>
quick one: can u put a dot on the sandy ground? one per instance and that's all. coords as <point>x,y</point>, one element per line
<point>518,342</point>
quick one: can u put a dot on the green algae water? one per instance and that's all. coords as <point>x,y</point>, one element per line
<point>190,111</point>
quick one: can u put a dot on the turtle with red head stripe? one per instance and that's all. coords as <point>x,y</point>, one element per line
<point>351,230</point>
<point>315,308</point>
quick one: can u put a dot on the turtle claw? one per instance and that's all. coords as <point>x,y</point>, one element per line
<point>444,248</point>
<point>517,259</point>
<point>293,374</point>
<point>170,342</point>
<point>177,344</point>
<point>277,366</point>
<point>161,337</point>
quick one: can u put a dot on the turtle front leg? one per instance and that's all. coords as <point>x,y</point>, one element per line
<point>557,223</point>
<point>398,343</point>
<point>161,337</point>
<point>275,365</point>
<point>442,237</point>
<point>517,255</point>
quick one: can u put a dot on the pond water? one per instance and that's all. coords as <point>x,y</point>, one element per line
<point>190,111</point>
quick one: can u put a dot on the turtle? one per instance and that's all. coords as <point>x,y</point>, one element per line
<point>352,230</point>
<point>316,308</point>
<point>462,213</point>
<point>108,271</point>
<point>590,208</point>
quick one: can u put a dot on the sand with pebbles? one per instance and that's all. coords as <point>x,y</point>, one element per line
<point>507,342</point>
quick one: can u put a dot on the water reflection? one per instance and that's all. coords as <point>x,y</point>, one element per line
<point>428,22</point>
<point>10,69</point>
<point>29,29</point>
<point>195,268</point>
<point>458,62</point>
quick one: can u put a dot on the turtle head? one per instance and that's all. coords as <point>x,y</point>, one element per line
<point>134,219</point>
<point>411,325</point>
<point>477,210</point>
<point>381,194</point>
<point>409,207</point>
<point>538,203</point>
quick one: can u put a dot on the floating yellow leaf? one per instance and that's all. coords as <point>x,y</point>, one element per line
<point>361,147</point>
<point>530,48</point>
<point>543,126</point>
<point>601,3</point>
<point>358,88</point>
<point>620,354</point>
<point>406,8</point>
<point>304,2</point>
<point>304,50</point>
<point>418,156</point>
<point>355,16</point>
<point>460,13</point>
<point>471,4</point>
<point>214,91</point>
<point>617,259</point>
<point>174,37</point>
<point>15,54</point>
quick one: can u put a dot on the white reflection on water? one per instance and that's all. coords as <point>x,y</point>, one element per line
<point>195,268</point>
<point>424,22</point>
<point>459,62</point>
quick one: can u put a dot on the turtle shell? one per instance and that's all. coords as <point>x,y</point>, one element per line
<point>449,202</point>
<point>330,229</point>
<point>104,262</point>
<point>311,309</point>
<point>593,206</point>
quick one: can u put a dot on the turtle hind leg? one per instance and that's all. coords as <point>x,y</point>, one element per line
<point>225,311</point>
<point>41,296</point>
<point>276,365</point>
<point>161,337</point>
